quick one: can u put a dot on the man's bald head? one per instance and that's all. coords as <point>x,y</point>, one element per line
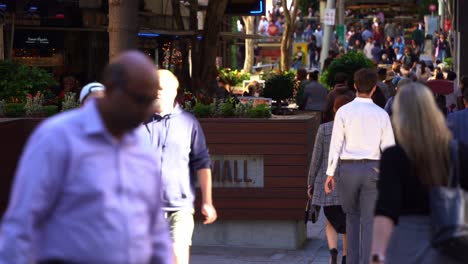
<point>167,91</point>
<point>128,67</point>
<point>167,79</point>
<point>131,87</point>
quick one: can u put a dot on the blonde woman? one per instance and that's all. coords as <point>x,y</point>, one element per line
<point>407,171</point>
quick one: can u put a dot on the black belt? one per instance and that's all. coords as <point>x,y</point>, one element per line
<point>358,161</point>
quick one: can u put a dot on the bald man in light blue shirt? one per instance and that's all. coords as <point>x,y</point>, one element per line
<point>87,186</point>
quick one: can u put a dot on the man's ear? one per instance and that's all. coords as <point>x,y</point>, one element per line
<point>355,87</point>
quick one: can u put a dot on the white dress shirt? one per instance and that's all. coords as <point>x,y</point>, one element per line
<point>361,130</point>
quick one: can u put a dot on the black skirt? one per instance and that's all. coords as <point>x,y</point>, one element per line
<point>336,217</point>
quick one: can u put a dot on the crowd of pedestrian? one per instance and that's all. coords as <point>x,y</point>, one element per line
<point>376,163</point>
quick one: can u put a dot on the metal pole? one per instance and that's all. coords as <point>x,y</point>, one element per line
<point>340,11</point>
<point>326,37</point>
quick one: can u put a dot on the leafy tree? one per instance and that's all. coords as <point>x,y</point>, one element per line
<point>349,63</point>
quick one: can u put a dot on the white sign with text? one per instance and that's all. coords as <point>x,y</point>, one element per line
<point>237,171</point>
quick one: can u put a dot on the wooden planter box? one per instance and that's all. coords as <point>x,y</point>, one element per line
<point>256,206</point>
<point>285,144</point>
<point>13,135</point>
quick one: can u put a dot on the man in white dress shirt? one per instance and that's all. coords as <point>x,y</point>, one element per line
<point>361,131</point>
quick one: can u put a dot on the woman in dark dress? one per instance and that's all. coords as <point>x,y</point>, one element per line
<point>408,170</point>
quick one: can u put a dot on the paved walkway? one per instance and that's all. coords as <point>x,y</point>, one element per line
<point>315,251</point>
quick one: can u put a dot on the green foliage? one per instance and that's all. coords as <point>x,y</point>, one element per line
<point>259,111</point>
<point>2,107</point>
<point>242,110</point>
<point>50,110</point>
<point>18,80</point>
<point>305,4</point>
<point>14,110</point>
<point>279,86</point>
<point>225,109</point>
<point>233,77</point>
<point>448,63</point>
<point>34,105</point>
<point>69,101</point>
<point>349,63</point>
<point>300,94</point>
<point>201,110</point>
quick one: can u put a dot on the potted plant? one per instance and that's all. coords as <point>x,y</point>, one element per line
<point>279,86</point>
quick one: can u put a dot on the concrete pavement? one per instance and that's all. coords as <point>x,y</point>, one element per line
<point>315,251</point>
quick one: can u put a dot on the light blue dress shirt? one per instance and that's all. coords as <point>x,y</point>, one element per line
<point>82,196</point>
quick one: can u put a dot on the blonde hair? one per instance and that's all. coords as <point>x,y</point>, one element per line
<point>421,130</point>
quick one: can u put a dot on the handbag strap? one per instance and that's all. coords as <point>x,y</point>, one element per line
<point>454,170</point>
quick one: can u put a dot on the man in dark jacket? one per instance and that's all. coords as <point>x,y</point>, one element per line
<point>185,159</point>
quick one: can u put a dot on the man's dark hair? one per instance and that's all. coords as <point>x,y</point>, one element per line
<point>451,76</point>
<point>365,80</point>
<point>340,78</point>
<point>382,72</point>
<point>313,76</point>
<point>301,74</point>
<point>465,95</point>
<point>439,76</point>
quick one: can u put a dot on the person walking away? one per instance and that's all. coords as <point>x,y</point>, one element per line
<point>87,186</point>
<point>408,170</point>
<point>361,131</point>
<point>185,159</point>
<point>335,217</point>
<point>340,87</point>
<point>315,94</point>
<point>458,121</point>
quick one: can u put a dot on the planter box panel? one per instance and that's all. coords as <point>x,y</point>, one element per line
<point>286,171</point>
<point>256,138</point>
<point>253,149</point>
<point>251,127</point>
<point>285,182</point>
<point>13,136</point>
<point>285,160</point>
<point>286,147</point>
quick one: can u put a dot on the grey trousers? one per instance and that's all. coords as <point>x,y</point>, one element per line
<point>357,188</point>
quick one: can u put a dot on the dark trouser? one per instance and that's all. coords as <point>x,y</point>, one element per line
<point>358,192</point>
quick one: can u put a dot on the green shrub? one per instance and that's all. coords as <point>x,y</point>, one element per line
<point>14,110</point>
<point>18,80</point>
<point>50,110</point>
<point>259,111</point>
<point>201,110</point>
<point>279,86</point>
<point>69,101</point>
<point>225,109</point>
<point>2,107</point>
<point>242,110</point>
<point>349,63</point>
<point>34,105</point>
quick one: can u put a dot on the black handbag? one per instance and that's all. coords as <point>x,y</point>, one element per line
<point>449,213</point>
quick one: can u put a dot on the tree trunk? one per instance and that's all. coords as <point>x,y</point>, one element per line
<point>183,74</point>
<point>249,43</point>
<point>286,39</point>
<point>204,54</point>
<point>123,26</point>
<point>2,48</point>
